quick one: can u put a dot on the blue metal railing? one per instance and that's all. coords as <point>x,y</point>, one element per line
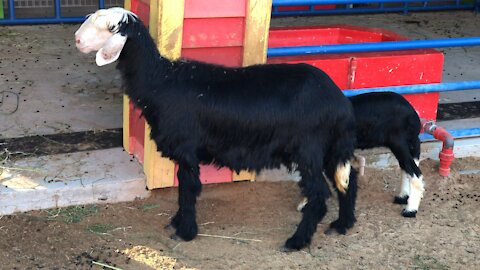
<point>57,18</point>
<point>456,133</point>
<point>374,46</point>
<point>418,88</point>
<point>348,7</point>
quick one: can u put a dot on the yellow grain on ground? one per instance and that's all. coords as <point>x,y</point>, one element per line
<point>153,258</point>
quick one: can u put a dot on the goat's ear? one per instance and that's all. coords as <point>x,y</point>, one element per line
<point>111,50</point>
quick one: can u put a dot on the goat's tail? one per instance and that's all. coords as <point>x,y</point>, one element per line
<point>338,167</point>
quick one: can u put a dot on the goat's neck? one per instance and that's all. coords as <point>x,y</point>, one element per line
<point>141,65</point>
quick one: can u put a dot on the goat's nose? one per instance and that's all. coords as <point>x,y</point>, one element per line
<point>78,40</point>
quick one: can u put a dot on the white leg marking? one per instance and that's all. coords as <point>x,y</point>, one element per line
<point>405,187</point>
<point>302,204</point>
<point>417,187</point>
<point>342,176</point>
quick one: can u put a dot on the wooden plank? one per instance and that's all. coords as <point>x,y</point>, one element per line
<point>214,8</point>
<point>166,28</point>
<point>210,174</point>
<point>127,4</point>
<point>136,132</point>
<point>126,123</point>
<point>166,24</point>
<point>243,175</point>
<point>159,170</point>
<point>154,19</point>
<point>256,32</point>
<point>213,32</point>
<point>226,56</point>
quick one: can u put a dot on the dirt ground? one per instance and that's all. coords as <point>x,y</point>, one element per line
<point>260,216</point>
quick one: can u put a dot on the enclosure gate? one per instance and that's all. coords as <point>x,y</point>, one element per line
<point>57,5</point>
<point>315,7</point>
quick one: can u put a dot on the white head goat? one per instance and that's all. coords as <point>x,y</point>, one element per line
<point>100,32</point>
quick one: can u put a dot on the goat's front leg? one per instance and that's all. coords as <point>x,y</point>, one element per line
<point>315,189</point>
<point>189,188</point>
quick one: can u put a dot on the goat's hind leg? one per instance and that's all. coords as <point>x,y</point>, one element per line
<point>347,195</point>
<point>189,188</point>
<point>412,188</point>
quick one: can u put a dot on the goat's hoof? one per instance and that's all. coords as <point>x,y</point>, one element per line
<point>168,226</point>
<point>176,220</point>
<point>400,200</point>
<point>409,213</point>
<point>287,250</point>
<point>340,226</point>
<point>175,237</point>
<point>187,231</point>
<point>294,244</point>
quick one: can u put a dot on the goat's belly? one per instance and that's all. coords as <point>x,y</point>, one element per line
<point>255,159</point>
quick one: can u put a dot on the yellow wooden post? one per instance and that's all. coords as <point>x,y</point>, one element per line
<point>257,23</point>
<point>166,28</point>
<point>256,32</point>
<point>126,107</point>
<point>127,4</point>
<point>126,123</point>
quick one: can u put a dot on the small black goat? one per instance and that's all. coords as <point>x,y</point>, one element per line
<point>244,118</point>
<point>388,119</point>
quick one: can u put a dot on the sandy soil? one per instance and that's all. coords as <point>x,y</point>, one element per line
<point>445,234</point>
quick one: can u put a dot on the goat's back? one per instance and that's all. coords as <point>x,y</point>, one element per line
<point>381,117</point>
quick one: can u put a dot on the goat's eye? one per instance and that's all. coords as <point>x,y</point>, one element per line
<point>111,28</point>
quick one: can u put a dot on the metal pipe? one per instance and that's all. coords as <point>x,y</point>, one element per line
<point>418,88</point>
<point>275,12</point>
<point>101,4</point>
<point>42,20</point>
<point>58,11</point>
<point>341,2</point>
<point>456,133</point>
<point>446,155</point>
<point>11,9</point>
<point>374,46</point>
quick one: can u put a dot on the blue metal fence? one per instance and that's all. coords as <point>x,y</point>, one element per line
<point>418,88</point>
<point>374,46</point>
<point>57,18</point>
<point>368,6</point>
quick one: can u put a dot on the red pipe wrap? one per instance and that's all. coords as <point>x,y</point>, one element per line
<point>446,155</point>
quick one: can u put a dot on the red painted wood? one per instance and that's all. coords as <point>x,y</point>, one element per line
<point>213,32</point>
<point>412,67</point>
<point>336,67</point>
<point>302,36</point>
<point>364,70</point>
<point>301,8</point>
<point>142,9</point>
<point>215,8</point>
<point>227,56</point>
<point>210,174</point>
<point>358,36</point>
<point>137,133</point>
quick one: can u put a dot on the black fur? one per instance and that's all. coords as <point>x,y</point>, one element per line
<point>400,200</point>
<point>244,118</point>
<point>388,119</point>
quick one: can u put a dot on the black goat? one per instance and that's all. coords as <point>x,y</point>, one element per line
<point>244,118</point>
<point>388,119</point>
